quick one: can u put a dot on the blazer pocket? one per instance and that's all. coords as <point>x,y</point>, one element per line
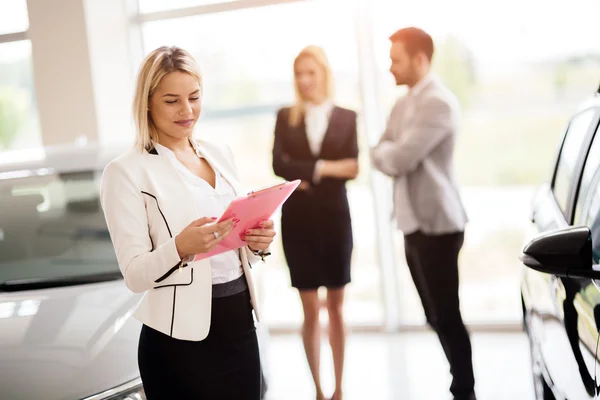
<point>179,277</point>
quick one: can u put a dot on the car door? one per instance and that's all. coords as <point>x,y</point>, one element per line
<point>562,319</point>
<point>587,213</point>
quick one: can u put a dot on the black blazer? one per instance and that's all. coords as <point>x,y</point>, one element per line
<point>293,159</point>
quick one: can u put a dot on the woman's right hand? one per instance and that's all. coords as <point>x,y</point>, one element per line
<point>199,237</point>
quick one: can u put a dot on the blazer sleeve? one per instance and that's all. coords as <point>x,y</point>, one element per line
<point>432,124</point>
<point>283,165</point>
<point>386,136</point>
<point>124,210</point>
<point>387,133</point>
<point>351,150</point>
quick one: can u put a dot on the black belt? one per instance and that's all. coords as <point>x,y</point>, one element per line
<point>229,288</point>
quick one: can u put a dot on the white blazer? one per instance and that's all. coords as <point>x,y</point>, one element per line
<point>146,204</point>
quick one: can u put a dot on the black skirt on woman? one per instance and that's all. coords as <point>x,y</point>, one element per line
<point>224,366</point>
<point>317,241</point>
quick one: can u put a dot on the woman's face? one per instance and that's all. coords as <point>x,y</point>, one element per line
<point>310,78</point>
<point>175,105</point>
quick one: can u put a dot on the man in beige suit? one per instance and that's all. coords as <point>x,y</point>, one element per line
<point>416,151</point>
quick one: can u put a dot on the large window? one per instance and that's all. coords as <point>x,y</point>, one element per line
<point>518,83</point>
<point>13,16</point>
<point>246,57</point>
<point>19,124</point>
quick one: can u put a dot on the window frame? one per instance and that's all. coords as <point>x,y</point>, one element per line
<point>569,211</point>
<point>578,193</point>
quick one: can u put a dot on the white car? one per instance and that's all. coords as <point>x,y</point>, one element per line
<point>66,325</point>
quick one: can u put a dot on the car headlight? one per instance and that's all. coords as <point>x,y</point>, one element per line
<point>131,390</point>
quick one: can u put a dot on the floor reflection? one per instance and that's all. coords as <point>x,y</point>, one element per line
<point>403,366</point>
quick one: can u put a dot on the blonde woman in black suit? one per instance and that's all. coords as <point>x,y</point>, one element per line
<point>316,141</point>
<point>160,200</point>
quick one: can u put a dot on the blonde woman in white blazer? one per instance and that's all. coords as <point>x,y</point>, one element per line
<point>160,200</point>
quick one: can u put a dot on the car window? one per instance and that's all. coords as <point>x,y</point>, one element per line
<point>590,172</point>
<point>52,226</point>
<point>591,213</point>
<point>569,155</point>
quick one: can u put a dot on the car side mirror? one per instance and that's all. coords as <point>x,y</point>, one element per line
<point>564,252</point>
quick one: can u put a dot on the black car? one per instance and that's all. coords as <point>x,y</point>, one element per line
<point>561,285</point>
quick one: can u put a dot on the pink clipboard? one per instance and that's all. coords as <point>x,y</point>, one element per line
<point>251,209</point>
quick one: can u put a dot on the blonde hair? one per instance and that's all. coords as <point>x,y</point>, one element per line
<point>155,66</point>
<point>317,54</point>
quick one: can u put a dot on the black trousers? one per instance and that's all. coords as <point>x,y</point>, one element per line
<point>224,366</point>
<point>433,264</point>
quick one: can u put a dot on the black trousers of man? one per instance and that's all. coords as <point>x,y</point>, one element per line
<point>433,264</point>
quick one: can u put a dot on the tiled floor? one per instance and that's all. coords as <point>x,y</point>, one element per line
<point>408,366</point>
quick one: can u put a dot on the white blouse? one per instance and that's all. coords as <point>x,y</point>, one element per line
<point>316,120</point>
<point>210,202</point>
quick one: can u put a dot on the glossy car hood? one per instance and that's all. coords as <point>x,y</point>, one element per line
<point>67,343</point>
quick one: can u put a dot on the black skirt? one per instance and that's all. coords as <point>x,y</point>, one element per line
<point>225,365</point>
<point>316,234</point>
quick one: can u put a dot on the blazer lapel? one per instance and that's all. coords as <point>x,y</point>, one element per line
<point>173,197</point>
<point>303,137</point>
<point>410,108</point>
<point>330,132</point>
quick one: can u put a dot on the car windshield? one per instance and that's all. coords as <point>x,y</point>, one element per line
<point>52,229</point>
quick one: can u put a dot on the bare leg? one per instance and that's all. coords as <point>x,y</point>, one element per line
<point>311,336</point>
<point>337,336</point>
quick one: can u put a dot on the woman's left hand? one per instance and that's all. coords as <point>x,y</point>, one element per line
<point>260,238</point>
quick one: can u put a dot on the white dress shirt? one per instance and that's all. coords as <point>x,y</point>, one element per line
<point>210,202</point>
<point>401,117</point>
<point>316,121</point>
